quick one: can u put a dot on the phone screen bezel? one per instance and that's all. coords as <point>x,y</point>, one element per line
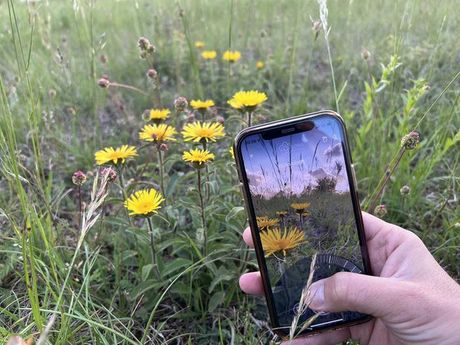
<point>252,216</point>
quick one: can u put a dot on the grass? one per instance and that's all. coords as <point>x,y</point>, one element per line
<point>54,116</point>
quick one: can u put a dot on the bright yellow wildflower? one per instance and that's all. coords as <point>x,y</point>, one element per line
<point>159,114</point>
<point>247,100</point>
<point>208,54</point>
<point>231,55</point>
<point>265,222</point>
<point>206,131</point>
<point>157,133</point>
<point>201,105</point>
<point>275,240</point>
<point>198,157</point>
<point>199,44</point>
<point>300,207</point>
<point>144,202</point>
<point>260,64</point>
<point>117,155</point>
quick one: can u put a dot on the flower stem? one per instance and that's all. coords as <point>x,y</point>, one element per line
<point>161,169</point>
<point>123,190</point>
<point>373,200</point>
<point>249,115</point>
<point>80,214</point>
<point>203,219</point>
<point>129,87</point>
<point>152,246</point>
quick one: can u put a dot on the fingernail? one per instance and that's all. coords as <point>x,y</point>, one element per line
<point>317,296</point>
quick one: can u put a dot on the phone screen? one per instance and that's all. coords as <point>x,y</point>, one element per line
<point>300,194</point>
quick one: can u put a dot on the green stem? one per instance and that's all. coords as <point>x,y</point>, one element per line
<point>203,218</point>
<point>384,180</point>
<point>123,190</point>
<point>152,246</point>
<point>249,118</point>
<point>161,169</point>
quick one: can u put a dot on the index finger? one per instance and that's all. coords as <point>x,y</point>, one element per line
<point>247,237</point>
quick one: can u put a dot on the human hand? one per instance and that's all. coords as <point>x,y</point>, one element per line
<point>413,300</point>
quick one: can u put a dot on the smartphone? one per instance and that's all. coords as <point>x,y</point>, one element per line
<point>300,193</point>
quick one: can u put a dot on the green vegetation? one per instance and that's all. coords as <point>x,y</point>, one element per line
<point>395,69</point>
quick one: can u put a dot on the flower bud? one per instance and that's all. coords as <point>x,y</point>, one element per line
<point>411,140</point>
<point>152,73</point>
<point>103,58</point>
<point>143,43</point>
<point>365,54</point>
<point>110,172</point>
<point>380,211</point>
<point>103,82</point>
<point>180,103</point>
<point>164,147</point>
<point>52,93</point>
<point>220,119</point>
<point>405,190</point>
<point>79,178</point>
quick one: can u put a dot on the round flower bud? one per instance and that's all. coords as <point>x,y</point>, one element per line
<point>380,211</point>
<point>104,83</point>
<point>405,190</point>
<point>164,147</point>
<point>220,119</point>
<point>143,43</point>
<point>365,54</point>
<point>52,93</point>
<point>411,140</point>
<point>152,73</point>
<point>79,178</point>
<point>180,103</point>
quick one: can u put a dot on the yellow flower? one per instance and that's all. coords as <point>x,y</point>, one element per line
<point>120,154</point>
<point>274,240</point>
<point>247,100</point>
<point>209,54</point>
<point>203,132</point>
<point>201,105</point>
<point>300,207</point>
<point>198,157</point>
<point>260,64</point>
<point>199,44</point>
<point>159,114</point>
<point>144,202</point>
<point>265,222</point>
<point>157,133</point>
<point>231,55</point>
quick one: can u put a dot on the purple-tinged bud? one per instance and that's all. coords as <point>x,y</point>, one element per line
<point>152,73</point>
<point>79,178</point>
<point>180,103</point>
<point>380,211</point>
<point>164,147</point>
<point>411,140</point>
<point>103,82</point>
<point>110,172</point>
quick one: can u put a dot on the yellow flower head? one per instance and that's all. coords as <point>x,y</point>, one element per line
<point>281,214</point>
<point>300,207</point>
<point>144,202</point>
<point>159,114</point>
<point>208,54</point>
<point>201,105</point>
<point>247,100</point>
<point>265,222</point>
<point>275,240</point>
<point>115,156</point>
<point>157,133</point>
<point>198,157</point>
<point>260,64</point>
<point>199,44</point>
<point>204,132</point>
<point>231,55</point>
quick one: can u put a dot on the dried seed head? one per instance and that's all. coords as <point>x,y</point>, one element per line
<point>411,140</point>
<point>180,103</point>
<point>405,190</point>
<point>52,93</point>
<point>380,211</point>
<point>152,73</point>
<point>79,178</point>
<point>316,27</point>
<point>103,82</point>
<point>164,147</point>
<point>220,119</point>
<point>110,172</point>
<point>365,54</point>
<point>143,43</point>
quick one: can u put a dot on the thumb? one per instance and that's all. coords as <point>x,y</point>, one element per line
<point>346,291</point>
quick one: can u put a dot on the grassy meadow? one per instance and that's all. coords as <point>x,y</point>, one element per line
<point>99,276</point>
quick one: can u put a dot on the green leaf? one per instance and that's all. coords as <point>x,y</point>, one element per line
<point>234,212</point>
<point>146,271</point>
<point>216,300</point>
<point>175,265</point>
